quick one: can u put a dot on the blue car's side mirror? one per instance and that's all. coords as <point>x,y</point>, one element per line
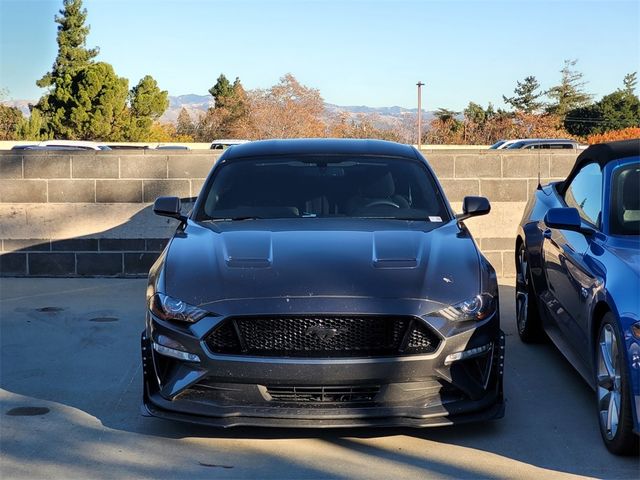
<point>168,207</point>
<point>565,219</point>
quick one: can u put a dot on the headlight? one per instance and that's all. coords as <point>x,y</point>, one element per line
<point>476,308</point>
<point>169,308</point>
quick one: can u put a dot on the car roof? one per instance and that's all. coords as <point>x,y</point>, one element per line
<point>319,146</point>
<point>603,153</point>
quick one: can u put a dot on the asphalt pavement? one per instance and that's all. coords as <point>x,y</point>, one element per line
<point>70,387</point>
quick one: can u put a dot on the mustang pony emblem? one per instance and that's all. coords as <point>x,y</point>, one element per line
<point>323,333</point>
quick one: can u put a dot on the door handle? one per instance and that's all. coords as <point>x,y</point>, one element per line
<point>546,233</point>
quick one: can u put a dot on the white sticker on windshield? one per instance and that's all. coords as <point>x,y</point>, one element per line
<point>435,219</point>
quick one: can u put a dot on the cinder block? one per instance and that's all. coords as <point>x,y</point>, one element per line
<point>139,263</point>
<point>122,244</point>
<point>190,166</point>
<point>456,190</point>
<point>10,166</point>
<point>13,264</point>
<point>477,166</point>
<point>153,189</point>
<point>497,243</point>
<point>508,264</point>
<point>561,164</point>
<point>75,245</point>
<point>196,186</point>
<point>72,191</point>
<point>23,191</point>
<point>52,264</point>
<point>119,191</point>
<point>50,166</point>
<point>26,245</point>
<point>442,164</point>
<point>495,259</point>
<point>143,166</point>
<point>156,244</point>
<point>94,166</point>
<point>525,165</point>
<point>504,190</point>
<point>102,264</point>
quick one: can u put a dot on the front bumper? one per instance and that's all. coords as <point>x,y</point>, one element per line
<point>414,390</point>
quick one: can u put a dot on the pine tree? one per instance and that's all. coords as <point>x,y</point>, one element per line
<point>569,94</point>
<point>184,125</point>
<point>630,81</point>
<point>147,104</point>
<point>526,96</point>
<point>72,38</point>
<point>221,91</point>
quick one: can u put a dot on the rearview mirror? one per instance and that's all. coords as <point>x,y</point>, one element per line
<point>168,207</point>
<point>565,218</point>
<point>473,207</point>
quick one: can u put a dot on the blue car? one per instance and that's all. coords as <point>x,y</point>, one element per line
<point>578,280</point>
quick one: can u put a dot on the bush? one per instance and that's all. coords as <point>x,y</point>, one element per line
<point>613,135</point>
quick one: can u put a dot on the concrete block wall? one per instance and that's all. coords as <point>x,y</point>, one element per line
<point>89,214</point>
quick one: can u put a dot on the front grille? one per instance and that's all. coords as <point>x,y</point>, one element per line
<point>324,394</point>
<point>323,336</point>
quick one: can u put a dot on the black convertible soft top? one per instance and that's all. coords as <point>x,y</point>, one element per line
<point>603,153</point>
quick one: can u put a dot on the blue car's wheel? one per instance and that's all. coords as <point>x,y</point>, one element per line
<point>527,316</point>
<point>614,398</point>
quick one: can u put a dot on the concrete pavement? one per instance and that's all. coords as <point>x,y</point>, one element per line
<point>70,346</point>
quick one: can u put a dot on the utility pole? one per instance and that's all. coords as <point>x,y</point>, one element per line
<point>419,84</point>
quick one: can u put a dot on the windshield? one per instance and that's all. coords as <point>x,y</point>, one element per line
<point>327,186</point>
<point>625,201</point>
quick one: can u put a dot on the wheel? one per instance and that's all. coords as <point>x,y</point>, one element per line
<point>613,394</point>
<point>527,316</point>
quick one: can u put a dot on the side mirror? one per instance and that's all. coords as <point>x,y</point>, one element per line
<point>168,207</point>
<point>473,207</point>
<point>565,218</point>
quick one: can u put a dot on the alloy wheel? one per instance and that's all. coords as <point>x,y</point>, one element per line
<point>609,381</point>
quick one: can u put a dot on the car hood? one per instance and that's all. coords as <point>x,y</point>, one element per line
<point>303,258</point>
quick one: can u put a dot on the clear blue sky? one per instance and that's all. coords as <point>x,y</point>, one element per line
<point>355,52</point>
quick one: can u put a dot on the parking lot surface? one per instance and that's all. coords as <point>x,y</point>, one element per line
<point>70,378</point>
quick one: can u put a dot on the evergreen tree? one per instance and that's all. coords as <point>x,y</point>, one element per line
<point>97,110</point>
<point>221,91</point>
<point>630,81</point>
<point>569,94</point>
<point>31,128</point>
<point>185,125</point>
<point>72,37</point>
<point>147,104</point>
<point>526,96</point>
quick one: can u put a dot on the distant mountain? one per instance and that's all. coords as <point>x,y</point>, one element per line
<point>386,116</point>
<point>198,104</point>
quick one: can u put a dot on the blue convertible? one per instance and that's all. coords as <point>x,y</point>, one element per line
<point>578,280</point>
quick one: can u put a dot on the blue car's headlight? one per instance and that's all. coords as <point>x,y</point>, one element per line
<point>169,308</point>
<point>476,308</point>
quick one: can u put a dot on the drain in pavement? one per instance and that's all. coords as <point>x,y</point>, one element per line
<point>103,319</point>
<point>27,411</point>
<point>50,309</point>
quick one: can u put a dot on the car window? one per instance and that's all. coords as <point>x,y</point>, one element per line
<point>323,186</point>
<point>625,201</point>
<point>585,193</point>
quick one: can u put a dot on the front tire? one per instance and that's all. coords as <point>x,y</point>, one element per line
<point>527,315</point>
<point>613,391</point>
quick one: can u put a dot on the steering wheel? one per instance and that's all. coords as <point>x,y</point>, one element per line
<point>388,203</point>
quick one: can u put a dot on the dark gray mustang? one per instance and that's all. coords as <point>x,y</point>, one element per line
<point>322,283</point>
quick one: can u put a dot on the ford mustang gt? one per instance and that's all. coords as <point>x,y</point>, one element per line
<point>322,283</point>
<point>578,280</point>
